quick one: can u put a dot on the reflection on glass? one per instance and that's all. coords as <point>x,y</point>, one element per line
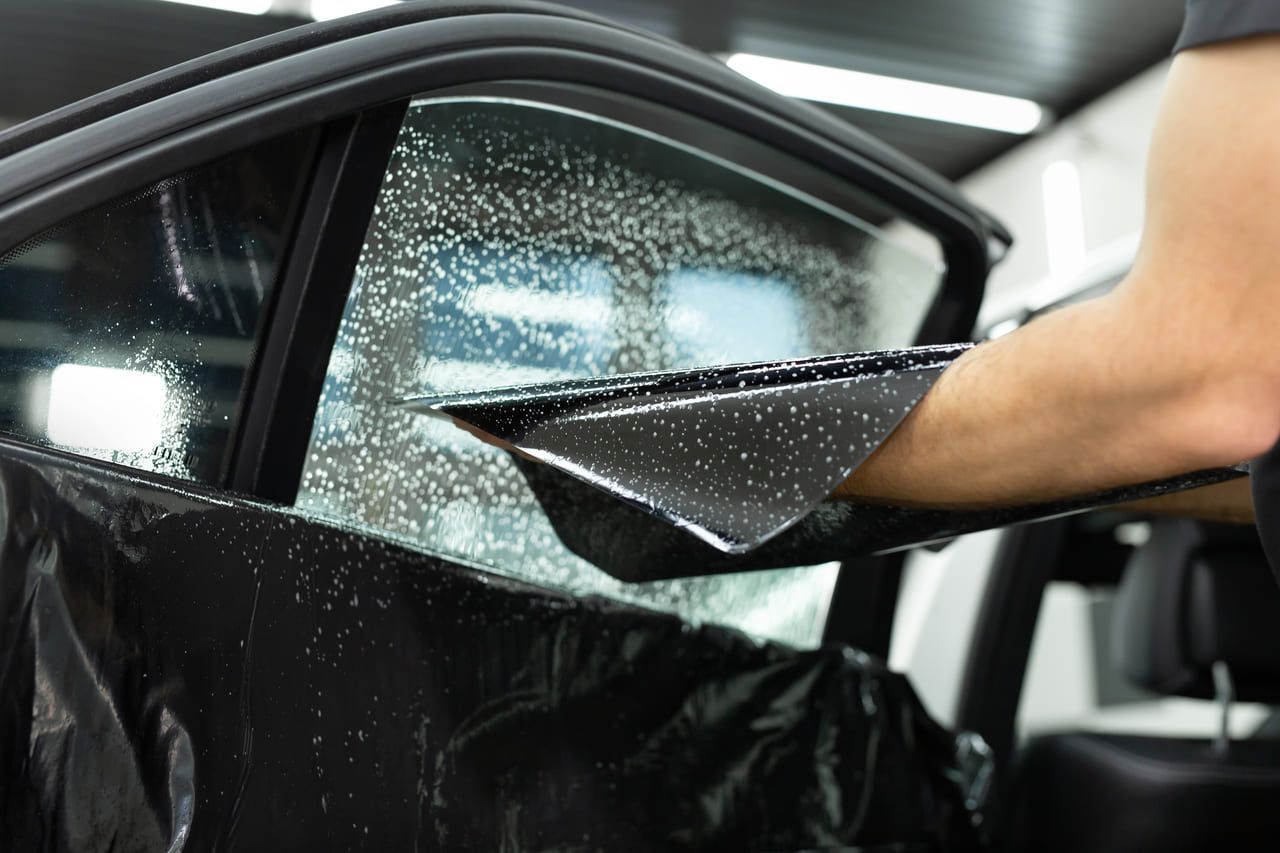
<point>105,408</point>
<point>726,317</point>
<point>514,243</point>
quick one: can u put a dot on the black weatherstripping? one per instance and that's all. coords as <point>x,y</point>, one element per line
<point>181,669</point>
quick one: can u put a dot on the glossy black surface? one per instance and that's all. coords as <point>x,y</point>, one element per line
<point>635,546</point>
<point>180,669</point>
<point>734,455</point>
<point>681,436</point>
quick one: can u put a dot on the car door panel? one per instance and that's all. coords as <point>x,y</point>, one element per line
<point>225,674</point>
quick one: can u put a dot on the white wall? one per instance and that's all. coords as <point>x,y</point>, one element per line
<point>1107,142</point>
<point>937,612</point>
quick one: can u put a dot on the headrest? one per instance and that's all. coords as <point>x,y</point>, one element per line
<point>1194,594</point>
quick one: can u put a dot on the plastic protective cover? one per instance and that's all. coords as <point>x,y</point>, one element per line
<point>184,672</point>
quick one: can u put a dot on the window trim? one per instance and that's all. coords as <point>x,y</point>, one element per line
<point>270,442</point>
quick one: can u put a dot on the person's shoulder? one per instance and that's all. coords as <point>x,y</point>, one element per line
<point>1212,21</point>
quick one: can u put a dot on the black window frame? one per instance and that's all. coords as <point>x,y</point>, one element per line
<point>356,78</point>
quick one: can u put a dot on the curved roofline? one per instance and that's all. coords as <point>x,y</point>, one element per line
<point>259,51</point>
<point>306,37</point>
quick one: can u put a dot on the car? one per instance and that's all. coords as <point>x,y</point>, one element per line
<point>258,588</point>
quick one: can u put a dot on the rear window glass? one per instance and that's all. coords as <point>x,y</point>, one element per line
<point>127,332</point>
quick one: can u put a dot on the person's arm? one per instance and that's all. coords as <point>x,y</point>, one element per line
<point>1177,370</point>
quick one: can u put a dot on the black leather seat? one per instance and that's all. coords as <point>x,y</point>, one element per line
<point>1192,597</point>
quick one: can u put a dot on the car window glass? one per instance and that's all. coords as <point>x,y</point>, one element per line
<point>128,330</point>
<point>514,243</point>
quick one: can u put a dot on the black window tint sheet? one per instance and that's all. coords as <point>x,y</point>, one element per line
<point>127,332</point>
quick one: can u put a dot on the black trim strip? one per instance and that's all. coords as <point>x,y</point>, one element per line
<point>273,438</point>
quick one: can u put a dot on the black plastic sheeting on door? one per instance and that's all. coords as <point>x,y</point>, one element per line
<point>734,455</point>
<point>179,671</point>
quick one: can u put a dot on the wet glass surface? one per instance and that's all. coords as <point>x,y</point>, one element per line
<point>516,244</point>
<point>126,333</point>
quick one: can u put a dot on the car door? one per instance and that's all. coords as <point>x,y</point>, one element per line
<point>248,599</point>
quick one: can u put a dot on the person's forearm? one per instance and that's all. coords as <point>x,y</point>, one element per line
<point>1174,371</point>
<point>1087,398</point>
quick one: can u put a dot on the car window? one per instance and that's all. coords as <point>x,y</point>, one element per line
<point>128,330</point>
<point>514,242</point>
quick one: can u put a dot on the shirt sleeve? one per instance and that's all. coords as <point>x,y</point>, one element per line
<point>1210,21</point>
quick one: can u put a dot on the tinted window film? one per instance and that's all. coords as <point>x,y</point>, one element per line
<point>127,332</point>
<point>515,243</point>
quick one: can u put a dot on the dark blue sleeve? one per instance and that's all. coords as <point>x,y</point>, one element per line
<point>1211,21</point>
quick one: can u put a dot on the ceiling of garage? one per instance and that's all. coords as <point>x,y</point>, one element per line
<point>1060,53</point>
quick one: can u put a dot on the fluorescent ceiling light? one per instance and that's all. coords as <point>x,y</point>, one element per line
<point>248,7</point>
<point>324,10</point>
<point>1063,218</point>
<point>105,408</point>
<point>890,94</point>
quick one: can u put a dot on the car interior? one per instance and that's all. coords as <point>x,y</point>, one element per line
<point>1177,748</point>
<point>1191,618</point>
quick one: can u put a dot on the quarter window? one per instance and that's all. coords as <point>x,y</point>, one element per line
<point>515,242</point>
<point>126,333</point>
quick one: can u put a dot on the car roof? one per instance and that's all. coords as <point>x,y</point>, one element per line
<point>259,51</point>
<point>303,38</point>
